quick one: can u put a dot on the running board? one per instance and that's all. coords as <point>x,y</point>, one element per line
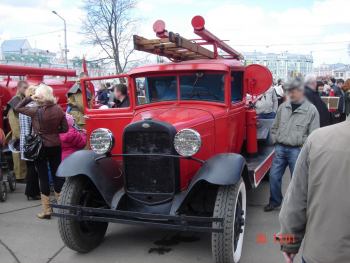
<point>259,165</point>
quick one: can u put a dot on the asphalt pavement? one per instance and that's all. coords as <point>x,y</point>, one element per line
<point>26,239</point>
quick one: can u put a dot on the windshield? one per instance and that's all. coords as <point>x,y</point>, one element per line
<point>197,86</point>
<point>155,89</point>
<point>202,86</point>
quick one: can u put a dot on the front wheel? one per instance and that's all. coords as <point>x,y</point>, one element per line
<point>230,205</point>
<point>81,236</point>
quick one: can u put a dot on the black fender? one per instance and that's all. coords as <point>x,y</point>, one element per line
<point>106,174</point>
<point>222,169</point>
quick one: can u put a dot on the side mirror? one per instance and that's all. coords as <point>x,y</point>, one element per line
<point>258,79</point>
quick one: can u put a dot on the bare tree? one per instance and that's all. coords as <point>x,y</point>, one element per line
<point>109,25</point>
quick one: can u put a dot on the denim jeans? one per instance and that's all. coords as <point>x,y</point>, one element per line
<point>270,115</point>
<point>284,156</point>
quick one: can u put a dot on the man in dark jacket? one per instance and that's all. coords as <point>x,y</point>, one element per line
<point>338,92</point>
<point>121,98</point>
<point>313,96</point>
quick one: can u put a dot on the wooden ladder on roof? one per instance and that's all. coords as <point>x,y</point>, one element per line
<point>177,48</point>
<point>174,47</point>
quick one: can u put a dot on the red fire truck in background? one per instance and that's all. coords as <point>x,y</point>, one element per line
<point>57,78</point>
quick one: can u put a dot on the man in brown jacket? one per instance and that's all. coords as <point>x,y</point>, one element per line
<point>19,166</point>
<point>316,208</point>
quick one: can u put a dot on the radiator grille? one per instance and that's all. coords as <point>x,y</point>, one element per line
<point>149,174</point>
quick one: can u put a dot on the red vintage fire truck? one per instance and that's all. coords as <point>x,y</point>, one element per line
<point>181,156</point>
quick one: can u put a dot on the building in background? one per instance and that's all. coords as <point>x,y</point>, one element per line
<point>283,65</point>
<point>338,71</point>
<point>20,52</point>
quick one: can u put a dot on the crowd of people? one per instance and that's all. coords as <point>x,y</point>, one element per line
<point>297,110</point>
<point>34,110</point>
<point>113,96</point>
<point>314,209</point>
<point>37,112</point>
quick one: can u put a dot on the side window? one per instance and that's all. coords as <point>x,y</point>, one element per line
<point>141,91</point>
<point>236,86</point>
<point>156,89</point>
<point>108,93</point>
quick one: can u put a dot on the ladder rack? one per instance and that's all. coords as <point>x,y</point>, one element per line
<point>177,48</point>
<point>174,47</point>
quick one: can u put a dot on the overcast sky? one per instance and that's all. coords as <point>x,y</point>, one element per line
<point>300,26</point>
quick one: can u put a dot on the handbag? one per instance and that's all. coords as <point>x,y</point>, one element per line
<point>32,143</point>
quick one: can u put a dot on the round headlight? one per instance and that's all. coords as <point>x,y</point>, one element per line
<point>101,140</point>
<point>187,142</point>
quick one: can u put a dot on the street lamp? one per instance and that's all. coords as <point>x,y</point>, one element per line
<point>65,38</point>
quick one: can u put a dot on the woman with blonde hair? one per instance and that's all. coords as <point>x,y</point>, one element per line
<point>48,121</point>
<point>32,190</point>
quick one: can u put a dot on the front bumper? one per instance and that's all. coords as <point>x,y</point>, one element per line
<point>177,222</point>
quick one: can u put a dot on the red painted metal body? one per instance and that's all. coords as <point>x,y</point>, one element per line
<point>223,126</point>
<point>251,120</point>
<point>34,76</point>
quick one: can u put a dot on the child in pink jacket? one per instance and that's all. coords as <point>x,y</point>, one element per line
<point>73,140</point>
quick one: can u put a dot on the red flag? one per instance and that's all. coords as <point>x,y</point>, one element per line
<point>84,66</point>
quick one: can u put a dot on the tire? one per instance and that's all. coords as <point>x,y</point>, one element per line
<point>3,191</point>
<point>12,181</point>
<point>230,205</point>
<point>81,236</point>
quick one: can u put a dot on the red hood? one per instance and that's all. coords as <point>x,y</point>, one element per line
<point>179,116</point>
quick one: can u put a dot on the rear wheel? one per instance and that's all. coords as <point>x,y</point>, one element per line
<point>3,191</point>
<point>81,236</point>
<point>230,205</point>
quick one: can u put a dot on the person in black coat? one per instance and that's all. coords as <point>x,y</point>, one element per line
<point>121,98</point>
<point>313,96</point>
<point>339,92</point>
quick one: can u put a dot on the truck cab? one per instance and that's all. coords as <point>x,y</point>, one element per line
<point>181,156</point>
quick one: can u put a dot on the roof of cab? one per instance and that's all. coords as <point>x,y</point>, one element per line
<point>201,64</point>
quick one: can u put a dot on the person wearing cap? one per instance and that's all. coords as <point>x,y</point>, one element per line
<point>296,119</point>
<point>75,101</point>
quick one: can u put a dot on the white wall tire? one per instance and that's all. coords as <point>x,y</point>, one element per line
<point>231,205</point>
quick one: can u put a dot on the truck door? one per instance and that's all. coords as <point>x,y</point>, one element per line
<point>107,115</point>
<point>236,119</point>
